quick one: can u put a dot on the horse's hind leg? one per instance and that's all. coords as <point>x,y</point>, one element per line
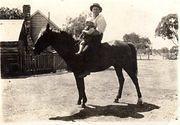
<point>121,83</point>
<point>134,78</point>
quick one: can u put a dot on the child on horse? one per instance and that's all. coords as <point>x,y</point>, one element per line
<point>86,36</point>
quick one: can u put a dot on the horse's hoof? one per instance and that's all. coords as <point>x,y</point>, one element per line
<point>116,101</point>
<point>79,103</point>
<point>140,101</point>
<point>84,106</point>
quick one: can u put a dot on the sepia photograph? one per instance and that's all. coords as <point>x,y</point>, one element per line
<point>100,62</point>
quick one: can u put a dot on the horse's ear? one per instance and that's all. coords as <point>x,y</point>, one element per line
<point>60,30</point>
<point>47,26</point>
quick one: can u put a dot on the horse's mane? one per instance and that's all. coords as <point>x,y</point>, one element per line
<point>64,34</point>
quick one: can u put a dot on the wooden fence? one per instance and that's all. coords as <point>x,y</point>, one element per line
<point>9,57</point>
<point>46,62</point>
<point>13,63</point>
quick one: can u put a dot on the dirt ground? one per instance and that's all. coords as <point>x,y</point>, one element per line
<point>53,97</point>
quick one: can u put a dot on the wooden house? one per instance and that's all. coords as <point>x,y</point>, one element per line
<point>9,40</point>
<point>38,23</point>
<point>17,40</point>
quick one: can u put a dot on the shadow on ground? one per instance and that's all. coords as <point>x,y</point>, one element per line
<point>121,111</point>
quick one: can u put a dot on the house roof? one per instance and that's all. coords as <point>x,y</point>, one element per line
<point>10,30</point>
<point>48,20</point>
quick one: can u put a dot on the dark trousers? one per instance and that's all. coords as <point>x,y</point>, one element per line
<point>95,43</point>
<point>93,47</point>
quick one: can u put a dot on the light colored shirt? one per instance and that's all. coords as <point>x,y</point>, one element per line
<point>100,23</point>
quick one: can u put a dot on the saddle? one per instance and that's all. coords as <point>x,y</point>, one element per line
<point>90,61</point>
<point>93,57</point>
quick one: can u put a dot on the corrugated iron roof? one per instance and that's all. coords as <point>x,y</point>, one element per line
<point>10,30</point>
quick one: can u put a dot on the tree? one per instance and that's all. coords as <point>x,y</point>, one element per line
<point>132,37</point>
<point>156,51</point>
<point>75,26</point>
<point>174,49</point>
<point>173,52</point>
<point>165,52</point>
<point>168,28</point>
<point>14,13</point>
<point>142,43</point>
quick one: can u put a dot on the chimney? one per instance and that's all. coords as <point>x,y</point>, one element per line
<point>26,12</point>
<point>48,16</point>
<point>27,26</point>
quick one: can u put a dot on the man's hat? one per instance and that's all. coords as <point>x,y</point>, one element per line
<point>96,5</point>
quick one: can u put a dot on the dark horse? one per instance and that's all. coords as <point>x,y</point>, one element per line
<point>120,55</point>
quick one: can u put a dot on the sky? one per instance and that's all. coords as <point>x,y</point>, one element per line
<point>122,16</point>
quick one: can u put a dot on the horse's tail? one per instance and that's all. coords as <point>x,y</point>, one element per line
<point>134,58</point>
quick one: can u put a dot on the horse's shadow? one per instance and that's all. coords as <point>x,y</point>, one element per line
<point>121,111</point>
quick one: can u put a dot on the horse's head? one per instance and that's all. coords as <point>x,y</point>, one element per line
<point>62,41</point>
<point>43,41</point>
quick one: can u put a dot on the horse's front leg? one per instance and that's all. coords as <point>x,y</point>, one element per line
<point>81,91</point>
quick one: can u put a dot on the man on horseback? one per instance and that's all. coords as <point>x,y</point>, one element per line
<point>96,35</point>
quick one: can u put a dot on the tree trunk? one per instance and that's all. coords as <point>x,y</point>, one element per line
<point>148,56</point>
<point>140,57</point>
